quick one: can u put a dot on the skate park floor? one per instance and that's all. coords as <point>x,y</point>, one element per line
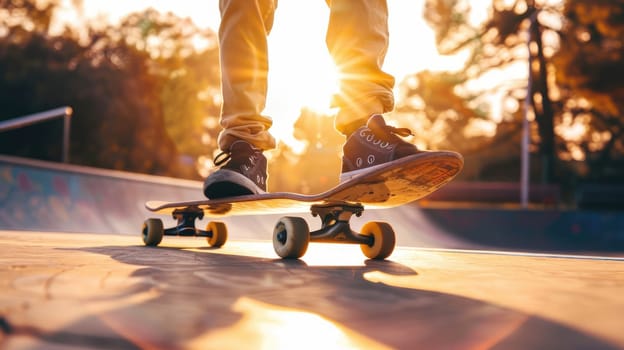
<point>62,290</point>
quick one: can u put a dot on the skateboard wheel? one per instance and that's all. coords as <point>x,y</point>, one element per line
<point>153,232</point>
<point>383,240</point>
<point>219,233</point>
<point>291,237</point>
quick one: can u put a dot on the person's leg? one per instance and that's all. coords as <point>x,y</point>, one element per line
<point>245,25</point>
<point>243,32</point>
<point>357,39</point>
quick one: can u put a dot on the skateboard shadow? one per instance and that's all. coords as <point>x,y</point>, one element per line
<point>204,298</point>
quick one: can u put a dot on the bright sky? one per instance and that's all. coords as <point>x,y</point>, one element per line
<point>310,82</point>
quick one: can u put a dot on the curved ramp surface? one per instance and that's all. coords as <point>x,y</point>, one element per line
<point>45,196</point>
<point>107,291</point>
<point>37,195</point>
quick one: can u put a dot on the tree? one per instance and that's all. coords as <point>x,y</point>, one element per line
<point>130,104</point>
<point>576,58</point>
<point>499,46</point>
<point>185,59</point>
<point>590,68</point>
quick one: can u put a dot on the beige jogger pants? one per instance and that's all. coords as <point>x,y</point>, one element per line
<point>357,39</point>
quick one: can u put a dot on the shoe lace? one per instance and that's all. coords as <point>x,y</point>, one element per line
<point>378,126</point>
<point>225,156</point>
<point>222,158</point>
<point>403,132</point>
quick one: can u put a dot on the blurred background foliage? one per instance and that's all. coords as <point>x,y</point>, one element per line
<point>141,90</point>
<point>576,54</point>
<point>146,93</point>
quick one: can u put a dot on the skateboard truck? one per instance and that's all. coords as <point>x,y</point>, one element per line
<point>215,232</point>
<point>335,227</point>
<point>186,223</point>
<point>292,234</point>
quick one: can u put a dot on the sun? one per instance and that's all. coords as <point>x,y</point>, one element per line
<point>300,76</point>
<point>301,71</point>
<point>303,75</point>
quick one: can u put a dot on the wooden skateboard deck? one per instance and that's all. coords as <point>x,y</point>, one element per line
<point>406,180</point>
<point>400,182</point>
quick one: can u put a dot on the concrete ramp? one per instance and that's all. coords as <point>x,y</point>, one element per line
<point>45,196</point>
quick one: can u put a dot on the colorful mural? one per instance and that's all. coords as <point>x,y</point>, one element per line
<point>35,196</point>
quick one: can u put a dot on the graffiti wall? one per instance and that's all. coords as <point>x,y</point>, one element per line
<point>50,197</point>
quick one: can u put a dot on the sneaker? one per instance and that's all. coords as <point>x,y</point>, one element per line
<point>244,173</point>
<point>374,145</point>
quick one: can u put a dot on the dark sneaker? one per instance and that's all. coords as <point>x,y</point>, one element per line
<point>373,145</point>
<point>244,173</point>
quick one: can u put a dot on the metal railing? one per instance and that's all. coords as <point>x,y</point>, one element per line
<point>61,112</point>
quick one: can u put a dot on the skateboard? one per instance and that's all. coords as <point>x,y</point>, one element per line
<point>384,186</point>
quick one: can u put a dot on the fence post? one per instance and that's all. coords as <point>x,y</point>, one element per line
<point>66,132</point>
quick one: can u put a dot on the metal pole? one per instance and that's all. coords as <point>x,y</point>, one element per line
<point>66,132</point>
<point>30,119</point>
<point>525,156</point>
<point>524,172</point>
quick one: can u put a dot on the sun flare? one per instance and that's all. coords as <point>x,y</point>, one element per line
<point>301,71</point>
<point>279,327</point>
